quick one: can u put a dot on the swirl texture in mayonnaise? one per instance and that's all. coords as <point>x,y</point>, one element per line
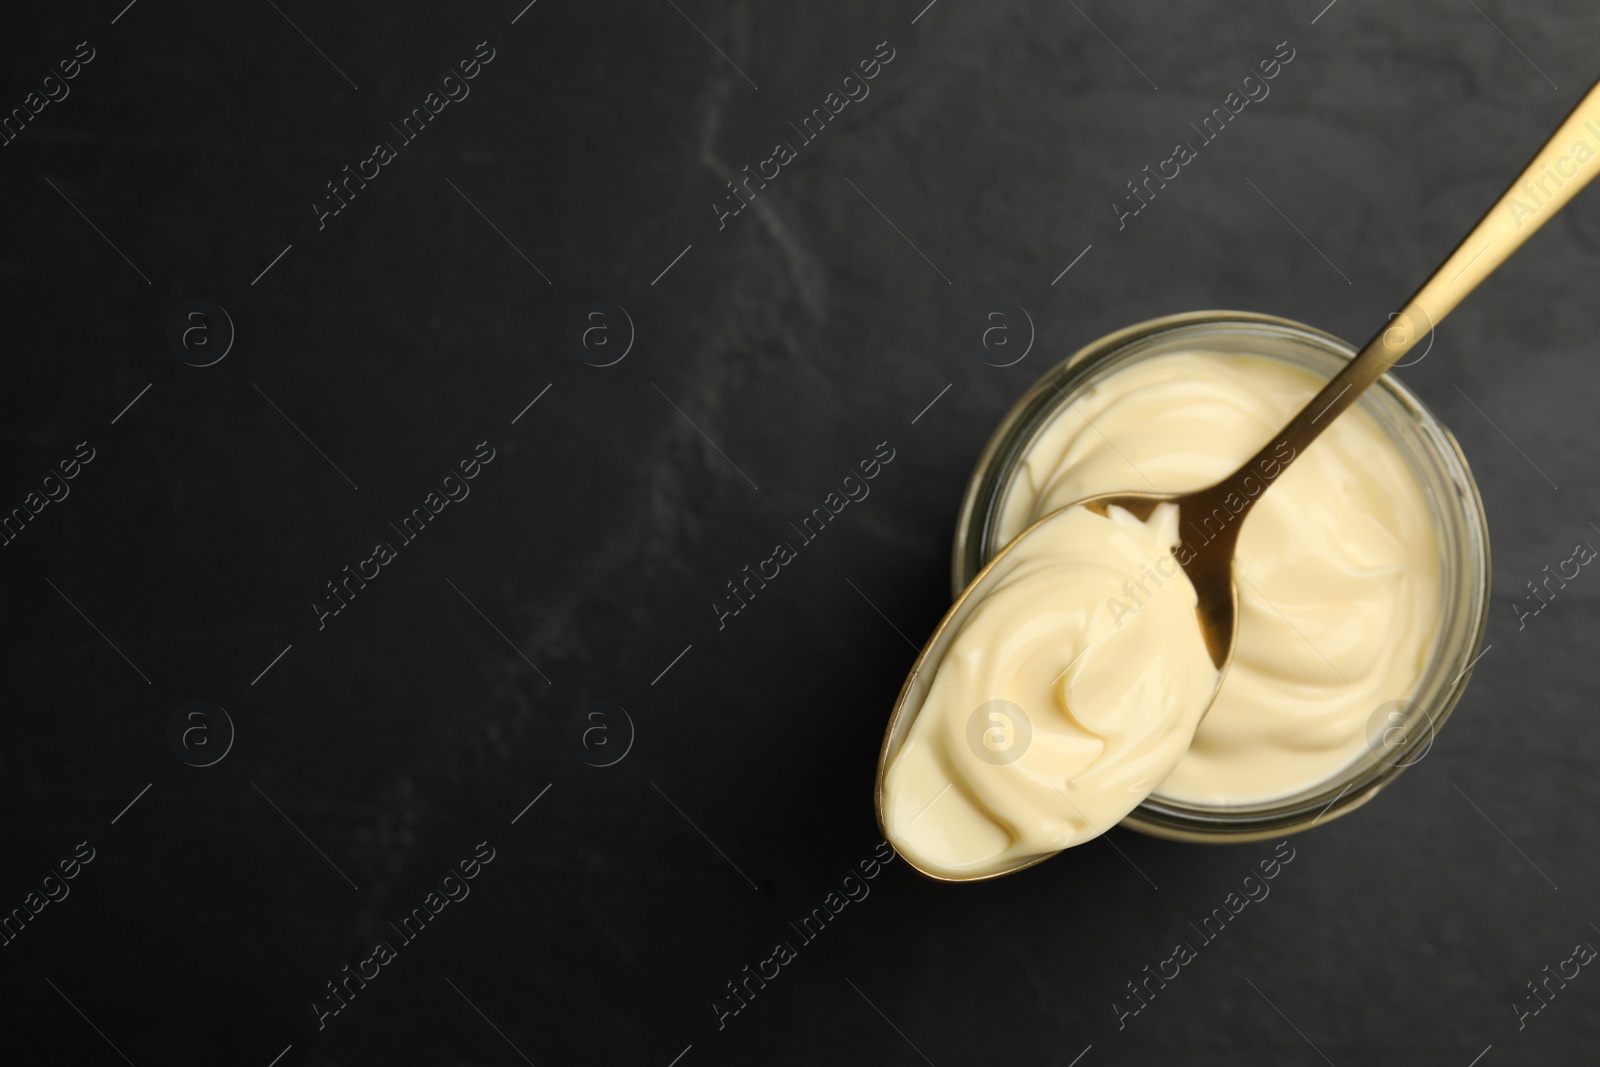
<point>1051,715</point>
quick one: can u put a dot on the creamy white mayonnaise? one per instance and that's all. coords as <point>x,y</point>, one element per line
<point>1338,565</point>
<point>1052,713</point>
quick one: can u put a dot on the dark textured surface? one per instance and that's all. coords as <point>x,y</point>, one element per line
<point>796,338</point>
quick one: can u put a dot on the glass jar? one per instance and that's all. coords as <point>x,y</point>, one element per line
<point>1437,463</point>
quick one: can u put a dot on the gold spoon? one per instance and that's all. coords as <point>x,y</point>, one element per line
<point>1567,162</point>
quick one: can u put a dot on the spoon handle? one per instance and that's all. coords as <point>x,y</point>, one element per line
<point>1569,160</point>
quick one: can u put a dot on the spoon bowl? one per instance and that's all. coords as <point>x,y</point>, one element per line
<point>924,673</point>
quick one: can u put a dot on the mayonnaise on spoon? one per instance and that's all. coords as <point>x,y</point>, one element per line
<point>1050,709</point>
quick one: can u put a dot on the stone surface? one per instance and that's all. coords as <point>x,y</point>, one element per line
<point>770,356</point>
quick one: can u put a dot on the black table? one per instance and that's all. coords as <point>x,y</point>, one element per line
<point>512,367</point>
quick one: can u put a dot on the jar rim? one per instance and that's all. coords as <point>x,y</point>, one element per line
<point>1457,511</point>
